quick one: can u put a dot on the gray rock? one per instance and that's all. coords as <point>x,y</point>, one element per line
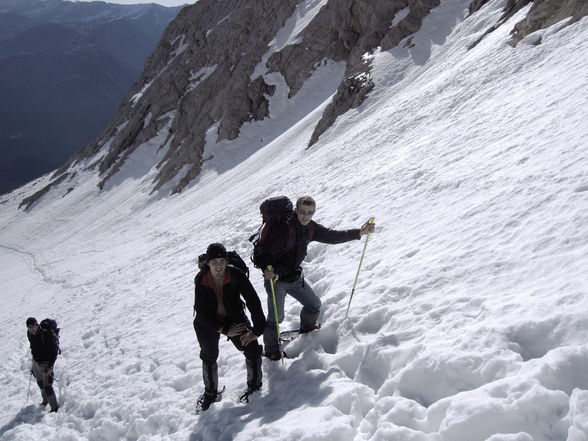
<point>545,13</point>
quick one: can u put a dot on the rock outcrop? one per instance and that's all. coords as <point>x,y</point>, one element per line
<point>542,14</point>
<point>545,13</point>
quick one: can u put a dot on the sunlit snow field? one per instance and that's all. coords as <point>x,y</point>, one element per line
<point>470,318</point>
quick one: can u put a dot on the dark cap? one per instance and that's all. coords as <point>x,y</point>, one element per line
<point>31,321</point>
<point>215,250</point>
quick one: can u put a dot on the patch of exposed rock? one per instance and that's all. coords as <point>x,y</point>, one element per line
<point>542,14</point>
<point>28,202</point>
<point>350,30</point>
<point>545,13</point>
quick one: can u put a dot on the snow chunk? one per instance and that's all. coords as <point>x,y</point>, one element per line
<point>289,34</point>
<point>399,16</point>
<point>200,76</point>
<point>136,97</point>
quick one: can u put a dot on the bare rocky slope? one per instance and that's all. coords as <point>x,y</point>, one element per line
<point>201,73</point>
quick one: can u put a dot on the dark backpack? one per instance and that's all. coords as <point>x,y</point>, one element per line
<point>277,209</point>
<point>273,211</point>
<point>51,326</point>
<point>233,259</point>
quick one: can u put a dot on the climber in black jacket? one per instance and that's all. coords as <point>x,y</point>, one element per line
<point>283,251</point>
<point>220,310</point>
<point>44,348</point>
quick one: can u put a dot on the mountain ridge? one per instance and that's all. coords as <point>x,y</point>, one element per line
<point>345,30</point>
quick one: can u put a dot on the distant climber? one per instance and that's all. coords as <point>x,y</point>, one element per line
<point>44,348</point>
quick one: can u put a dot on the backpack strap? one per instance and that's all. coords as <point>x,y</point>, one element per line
<point>291,237</point>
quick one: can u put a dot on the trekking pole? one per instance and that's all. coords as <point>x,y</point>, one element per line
<point>29,389</point>
<point>271,268</point>
<point>372,220</point>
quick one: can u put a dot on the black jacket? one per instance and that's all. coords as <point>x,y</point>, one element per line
<point>286,262</point>
<point>205,302</point>
<point>43,346</point>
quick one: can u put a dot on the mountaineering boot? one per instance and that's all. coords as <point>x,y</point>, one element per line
<point>210,377</point>
<point>254,373</point>
<point>52,400</point>
<point>206,399</point>
<point>275,356</point>
<point>210,395</point>
<point>244,397</point>
<point>311,328</point>
<point>293,334</point>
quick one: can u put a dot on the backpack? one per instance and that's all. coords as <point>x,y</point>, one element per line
<point>236,261</point>
<point>273,211</point>
<point>233,259</point>
<point>277,209</point>
<point>51,326</point>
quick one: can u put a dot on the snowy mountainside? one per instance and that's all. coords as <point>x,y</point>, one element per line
<point>469,320</point>
<point>220,63</point>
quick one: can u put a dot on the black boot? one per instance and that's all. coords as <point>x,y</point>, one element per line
<point>210,377</point>
<point>206,399</point>
<point>254,373</point>
<point>254,376</point>
<point>211,394</point>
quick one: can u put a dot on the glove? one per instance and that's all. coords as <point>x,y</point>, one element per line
<point>367,228</point>
<point>269,275</point>
<point>245,339</point>
<point>236,329</point>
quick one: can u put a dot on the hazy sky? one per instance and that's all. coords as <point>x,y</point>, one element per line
<point>161,2</point>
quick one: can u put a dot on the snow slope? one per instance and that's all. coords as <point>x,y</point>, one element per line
<point>469,321</point>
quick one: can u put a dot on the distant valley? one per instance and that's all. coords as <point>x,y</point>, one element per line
<point>64,68</point>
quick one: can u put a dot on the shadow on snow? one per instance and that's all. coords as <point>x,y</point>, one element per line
<point>27,415</point>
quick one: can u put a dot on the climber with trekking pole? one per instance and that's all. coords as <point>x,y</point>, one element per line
<point>280,246</point>
<point>44,341</point>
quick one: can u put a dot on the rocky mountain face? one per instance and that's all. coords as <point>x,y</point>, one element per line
<point>211,69</point>
<point>64,68</point>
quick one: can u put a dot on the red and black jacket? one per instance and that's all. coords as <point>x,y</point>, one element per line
<point>236,286</point>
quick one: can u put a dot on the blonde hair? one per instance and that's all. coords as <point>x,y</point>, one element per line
<point>305,200</point>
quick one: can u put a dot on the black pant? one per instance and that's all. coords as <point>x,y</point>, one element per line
<point>208,341</point>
